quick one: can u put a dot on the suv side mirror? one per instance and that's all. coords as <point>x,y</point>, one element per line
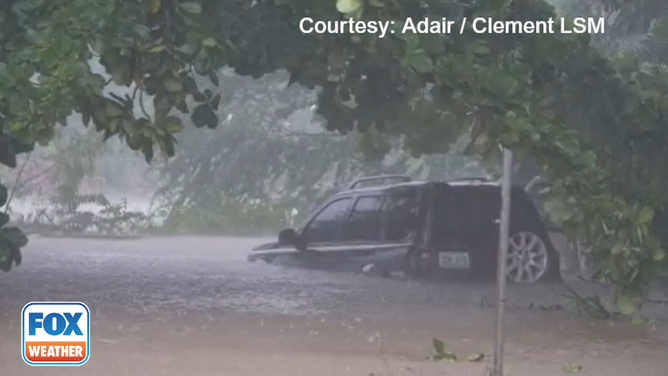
<point>287,237</point>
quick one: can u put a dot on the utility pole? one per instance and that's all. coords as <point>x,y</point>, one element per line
<point>504,227</point>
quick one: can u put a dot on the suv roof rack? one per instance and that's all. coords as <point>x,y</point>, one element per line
<point>380,178</point>
<point>478,179</point>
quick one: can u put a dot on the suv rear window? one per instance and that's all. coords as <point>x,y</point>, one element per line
<point>472,212</point>
<point>464,211</point>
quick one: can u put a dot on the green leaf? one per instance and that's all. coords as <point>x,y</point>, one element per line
<point>134,141</point>
<point>20,146</point>
<point>147,150</point>
<point>130,127</point>
<point>163,102</point>
<point>107,135</point>
<point>482,139</point>
<point>120,74</point>
<point>589,159</point>
<point>172,85</point>
<point>13,236</point>
<point>173,124</point>
<point>617,249</point>
<point>6,257</point>
<point>432,43</point>
<point>142,31</point>
<point>411,40</point>
<point>44,135</point>
<point>209,42</point>
<point>7,155</point>
<point>475,357</point>
<point>215,101</point>
<point>116,124</point>
<point>645,215</point>
<point>182,106</point>
<point>480,48</point>
<point>658,255</point>
<point>113,109</point>
<point>191,7</point>
<point>438,346</point>
<point>626,304</point>
<point>510,119</point>
<point>85,117</point>
<point>154,6</point>
<point>440,352</point>
<point>158,48</point>
<point>557,211</point>
<point>199,97</point>
<point>4,195</point>
<point>446,356</point>
<point>188,49</point>
<point>376,3</point>
<point>419,61</point>
<point>203,116</point>
<point>168,142</point>
<point>572,368</point>
<point>348,6</point>
<point>214,78</point>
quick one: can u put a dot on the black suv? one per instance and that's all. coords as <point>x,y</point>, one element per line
<point>425,229</point>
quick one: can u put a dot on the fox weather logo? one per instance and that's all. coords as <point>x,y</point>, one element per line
<point>55,333</point>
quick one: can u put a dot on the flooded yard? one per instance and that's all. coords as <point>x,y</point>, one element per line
<point>194,306</point>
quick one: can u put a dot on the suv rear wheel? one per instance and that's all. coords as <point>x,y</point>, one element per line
<point>529,259</point>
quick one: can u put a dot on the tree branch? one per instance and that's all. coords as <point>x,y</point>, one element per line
<point>30,179</point>
<point>16,182</point>
<point>141,105</point>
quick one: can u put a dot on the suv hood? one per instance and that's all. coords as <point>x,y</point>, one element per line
<point>267,246</point>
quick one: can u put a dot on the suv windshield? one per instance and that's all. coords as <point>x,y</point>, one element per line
<point>327,224</point>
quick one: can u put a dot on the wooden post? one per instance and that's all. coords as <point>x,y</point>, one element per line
<point>504,227</point>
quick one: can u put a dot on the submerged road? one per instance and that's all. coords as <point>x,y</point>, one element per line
<point>194,306</point>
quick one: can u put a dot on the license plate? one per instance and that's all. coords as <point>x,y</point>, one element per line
<point>454,260</point>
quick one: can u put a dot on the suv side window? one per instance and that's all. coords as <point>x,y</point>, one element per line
<point>401,219</point>
<point>364,221</point>
<point>327,224</point>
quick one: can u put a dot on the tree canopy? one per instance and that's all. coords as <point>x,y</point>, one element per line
<point>594,125</point>
<point>271,154</point>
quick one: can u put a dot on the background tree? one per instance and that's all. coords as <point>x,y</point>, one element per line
<point>270,158</point>
<point>636,27</point>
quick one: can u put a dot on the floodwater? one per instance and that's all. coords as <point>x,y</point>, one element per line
<point>193,306</point>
